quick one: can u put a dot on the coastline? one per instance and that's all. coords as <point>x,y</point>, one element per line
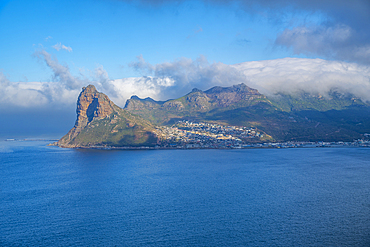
<point>182,146</point>
<point>277,145</point>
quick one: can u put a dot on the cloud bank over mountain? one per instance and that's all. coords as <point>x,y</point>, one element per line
<point>317,76</point>
<point>174,79</point>
<point>288,75</point>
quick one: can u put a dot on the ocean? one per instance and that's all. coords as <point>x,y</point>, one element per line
<point>51,196</point>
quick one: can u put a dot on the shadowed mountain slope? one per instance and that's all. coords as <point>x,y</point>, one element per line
<point>298,117</point>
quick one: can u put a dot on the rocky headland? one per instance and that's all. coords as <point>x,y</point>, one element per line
<point>101,122</point>
<point>282,118</point>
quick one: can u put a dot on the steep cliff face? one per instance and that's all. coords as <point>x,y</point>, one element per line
<point>91,105</point>
<point>102,123</point>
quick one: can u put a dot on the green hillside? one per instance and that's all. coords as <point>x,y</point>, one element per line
<point>298,117</point>
<point>117,130</point>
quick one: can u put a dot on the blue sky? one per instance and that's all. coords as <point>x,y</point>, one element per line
<point>114,33</point>
<point>50,49</point>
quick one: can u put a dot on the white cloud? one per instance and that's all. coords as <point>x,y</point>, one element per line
<point>287,75</point>
<point>59,46</point>
<point>33,95</point>
<point>188,74</point>
<point>290,75</point>
<point>61,73</point>
<point>101,80</point>
<point>143,87</point>
<point>175,79</point>
<point>63,89</point>
<point>14,94</point>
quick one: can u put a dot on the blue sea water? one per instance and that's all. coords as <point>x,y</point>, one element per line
<point>51,196</point>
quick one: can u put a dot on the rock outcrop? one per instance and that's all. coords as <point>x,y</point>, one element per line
<point>91,105</point>
<point>102,123</point>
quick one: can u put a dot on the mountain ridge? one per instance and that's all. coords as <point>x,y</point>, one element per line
<point>142,122</point>
<point>194,103</point>
<point>297,117</point>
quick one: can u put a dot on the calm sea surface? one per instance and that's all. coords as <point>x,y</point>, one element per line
<point>254,197</point>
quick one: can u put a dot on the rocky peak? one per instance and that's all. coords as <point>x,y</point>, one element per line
<point>91,105</point>
<point>136,103</point>
<point>134,97</point>
<point>89,89</point>
<point>196,90</point>
<point>243,88</point>
<point>227,96</point>
<point>240,88</point>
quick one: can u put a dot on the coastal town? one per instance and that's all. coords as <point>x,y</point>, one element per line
<point>188,134</point>
<point>191,135</point>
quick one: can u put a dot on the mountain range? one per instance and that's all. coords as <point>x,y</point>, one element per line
<point>295,117</point>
